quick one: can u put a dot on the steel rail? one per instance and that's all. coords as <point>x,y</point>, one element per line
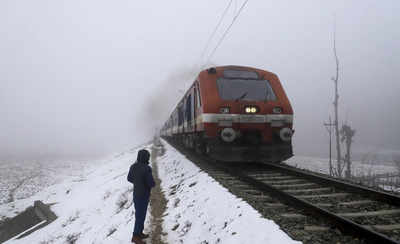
<point>351,187</point>
<point>345,225</point>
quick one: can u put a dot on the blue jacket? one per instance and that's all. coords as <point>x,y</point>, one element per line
<point>141,176</point>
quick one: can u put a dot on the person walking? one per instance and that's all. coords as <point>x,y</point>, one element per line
<point>140,175</point>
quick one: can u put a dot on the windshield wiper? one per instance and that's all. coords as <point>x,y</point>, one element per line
<point>241,97</point>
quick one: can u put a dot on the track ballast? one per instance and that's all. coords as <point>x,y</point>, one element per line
<point>310,207</point>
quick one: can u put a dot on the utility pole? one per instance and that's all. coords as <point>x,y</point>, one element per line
<point>328,127</point>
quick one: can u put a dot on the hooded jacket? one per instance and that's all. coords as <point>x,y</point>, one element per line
<point>140,174</point>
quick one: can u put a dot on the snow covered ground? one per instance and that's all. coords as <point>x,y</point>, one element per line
<point>96,207</point>
<point>23,178</point>
<point>321,165</point>
<point>200,210</point>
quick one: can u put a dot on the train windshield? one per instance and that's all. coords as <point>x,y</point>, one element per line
<point>245,89</point>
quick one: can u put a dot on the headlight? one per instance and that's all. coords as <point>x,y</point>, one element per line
<point>225,110</point>
<point>228,135</point>
<point>286,134</point>
<point>277,110</point>
<point>251,109</point>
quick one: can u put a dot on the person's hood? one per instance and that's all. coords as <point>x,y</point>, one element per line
<point>143,156</point>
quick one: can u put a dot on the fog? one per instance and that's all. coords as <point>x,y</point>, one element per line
<point>89,78</point>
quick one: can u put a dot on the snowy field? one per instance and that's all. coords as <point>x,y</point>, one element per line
<point>22,178</point>
<point>321,165</point>
<point>96,207</point>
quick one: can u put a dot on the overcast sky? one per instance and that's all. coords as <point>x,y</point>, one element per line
<point>89,77</point>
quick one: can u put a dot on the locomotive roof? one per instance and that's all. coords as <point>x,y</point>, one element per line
<point>237,67</point>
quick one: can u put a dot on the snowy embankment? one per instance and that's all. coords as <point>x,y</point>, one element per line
<point>96,207</point>
<point>200,210</point>
<point>92,208</point>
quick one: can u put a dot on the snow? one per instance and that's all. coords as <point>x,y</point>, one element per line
<point>96,207</point>
<point>205,211</point>
<point>321,165</point>
<point>24,178</point>
<point>92,208</point>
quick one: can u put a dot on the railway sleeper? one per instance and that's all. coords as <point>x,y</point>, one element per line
<point>264,175</point>
<point>383,227</point>
<point>370,213</point>
<point>323,189</point>
<point>354,203</point>
<point>275,205</point>
<point>293,216</point>
<point>350,215</point>
<point>280,182</point>
<point>324,205</point>
<point>267,178</point>
<point>333,195</point>
<point>316,228</point>
<point>253,192</point>
<point>263,198</point>
<point>283,186</point>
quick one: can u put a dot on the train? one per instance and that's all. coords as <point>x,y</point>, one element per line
<point>234,114</point>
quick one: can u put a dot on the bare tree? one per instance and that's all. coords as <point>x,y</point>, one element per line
<point>347,134</point>
<point>339,166</point>
<point>370,158</point>
<point>396,161</point>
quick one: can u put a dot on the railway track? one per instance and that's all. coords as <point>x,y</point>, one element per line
<point>358,211</point>
<point>310,207</point>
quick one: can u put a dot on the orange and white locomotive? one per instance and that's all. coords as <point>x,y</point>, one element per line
<point>234,113</point>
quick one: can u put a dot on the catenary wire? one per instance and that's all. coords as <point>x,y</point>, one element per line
<point>215,29</point>
<point>226,32</point>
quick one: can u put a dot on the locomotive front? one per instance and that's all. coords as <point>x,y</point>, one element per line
<point>246,115</point>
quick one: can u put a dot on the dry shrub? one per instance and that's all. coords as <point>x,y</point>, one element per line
<point>72,238</point>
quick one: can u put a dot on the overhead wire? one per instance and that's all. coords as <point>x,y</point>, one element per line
<point>215,29</point>
<point>226,32</point>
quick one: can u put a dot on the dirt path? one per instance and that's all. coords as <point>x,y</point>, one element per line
<point>158,202</point>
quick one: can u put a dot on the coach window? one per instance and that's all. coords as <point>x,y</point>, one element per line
<point>188,108</point>
<point>180,115</point>
<point>198,97</point>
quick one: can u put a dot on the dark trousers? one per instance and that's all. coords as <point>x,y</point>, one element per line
<point>141,203</point>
